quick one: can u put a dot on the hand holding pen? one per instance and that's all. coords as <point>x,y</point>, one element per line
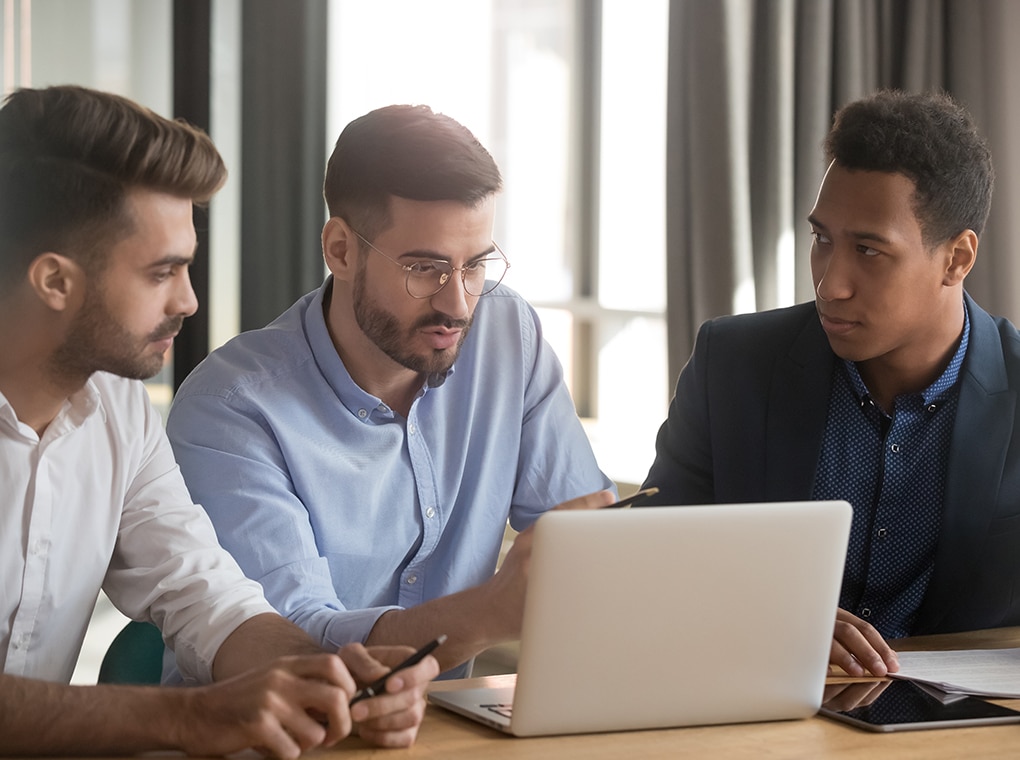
<point>378,686</point>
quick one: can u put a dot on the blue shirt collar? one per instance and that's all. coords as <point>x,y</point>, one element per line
<point>351,395</point>
<point>941,385</point>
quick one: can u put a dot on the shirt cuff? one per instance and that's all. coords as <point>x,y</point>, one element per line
<point>348,626</point>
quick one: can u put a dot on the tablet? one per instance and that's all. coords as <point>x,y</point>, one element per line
<point>906,706</point>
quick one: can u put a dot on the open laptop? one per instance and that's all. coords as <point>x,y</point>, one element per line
<point>672,616</point>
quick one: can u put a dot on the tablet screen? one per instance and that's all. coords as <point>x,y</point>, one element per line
<point>903,705</point>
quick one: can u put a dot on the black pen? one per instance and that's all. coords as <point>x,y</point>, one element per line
<point>379,685</point>
<point>634,497</point>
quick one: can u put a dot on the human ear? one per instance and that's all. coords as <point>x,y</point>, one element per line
<point>57,280</point>
<point>339,249</point>
<point>962,253</point>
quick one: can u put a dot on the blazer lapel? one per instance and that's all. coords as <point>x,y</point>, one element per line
<point>798,409</point>
<point>981,435</point>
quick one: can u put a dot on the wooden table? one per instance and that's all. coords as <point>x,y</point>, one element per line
<point>445,735</point>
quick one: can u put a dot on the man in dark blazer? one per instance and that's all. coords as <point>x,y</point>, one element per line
<point>893,390</point>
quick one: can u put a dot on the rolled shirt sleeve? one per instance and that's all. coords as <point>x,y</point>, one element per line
<point>97,502</point>
<point>168,566</point>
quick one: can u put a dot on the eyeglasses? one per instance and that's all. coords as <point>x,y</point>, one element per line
<point>427,277</point>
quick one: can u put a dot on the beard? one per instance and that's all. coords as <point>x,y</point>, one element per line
<point>97,342</point>
<point>383,329</point>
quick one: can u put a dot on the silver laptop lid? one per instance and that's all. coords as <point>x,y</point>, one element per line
<point>669,616</point>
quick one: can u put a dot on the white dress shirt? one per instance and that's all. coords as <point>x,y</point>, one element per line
<point>98,501</point>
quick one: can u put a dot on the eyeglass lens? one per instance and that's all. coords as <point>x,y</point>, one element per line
<point>479,277</point>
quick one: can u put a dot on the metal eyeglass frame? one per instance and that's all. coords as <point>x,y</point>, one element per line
<point>444,276</point>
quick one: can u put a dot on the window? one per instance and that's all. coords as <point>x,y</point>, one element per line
<point>568,95</point>
<point>582,220</point>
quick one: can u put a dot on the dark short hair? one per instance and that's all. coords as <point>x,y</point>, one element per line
<point>405,151</point>
<point>930,139</point>
<point>68,158</point>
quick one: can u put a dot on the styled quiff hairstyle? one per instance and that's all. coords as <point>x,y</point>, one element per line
<point>409,152</point>
<point>930,139</point>
<point>68,158</point>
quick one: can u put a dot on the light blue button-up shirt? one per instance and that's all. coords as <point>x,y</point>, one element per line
<point>340,507</point>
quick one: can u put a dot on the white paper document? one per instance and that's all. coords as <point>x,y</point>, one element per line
<point>981,672</point>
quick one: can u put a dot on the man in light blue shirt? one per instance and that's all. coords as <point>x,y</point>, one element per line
<point>361,455</point>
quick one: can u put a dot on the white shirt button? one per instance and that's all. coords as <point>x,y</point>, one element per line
<point>412,428</point>
<point>895,448</point>
<point>430,513</point>
<point>363,413</point>
<point>412,579</point>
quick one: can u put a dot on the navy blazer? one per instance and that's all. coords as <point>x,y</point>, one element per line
<point>747,422</point>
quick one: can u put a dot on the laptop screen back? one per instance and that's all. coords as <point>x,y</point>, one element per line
<point>669,616</point>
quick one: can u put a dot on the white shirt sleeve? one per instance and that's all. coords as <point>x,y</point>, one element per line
<point>167,565</point>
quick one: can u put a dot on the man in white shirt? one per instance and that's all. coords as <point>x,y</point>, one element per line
<point>96,237</point>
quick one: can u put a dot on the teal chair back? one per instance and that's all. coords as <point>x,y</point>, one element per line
<point>135,656</point>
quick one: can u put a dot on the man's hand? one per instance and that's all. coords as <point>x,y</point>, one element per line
<point>391,719</point>
<point>296,704</point>
<point>284,708</point>
<point>860,649</point>
<point>478,617</point>
<point>300,703</point>
<point>508,586</point>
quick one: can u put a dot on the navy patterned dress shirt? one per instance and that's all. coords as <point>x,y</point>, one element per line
<point>892,470</point>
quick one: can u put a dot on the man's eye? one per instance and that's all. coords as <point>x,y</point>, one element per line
<point>475,266</point>
<point>423,267</point>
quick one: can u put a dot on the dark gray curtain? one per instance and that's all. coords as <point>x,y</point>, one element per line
<point>283,154</point>
<point>753,85</point>
<point>191,67</point>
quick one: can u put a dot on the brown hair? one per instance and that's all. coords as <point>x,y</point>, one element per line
<point>68,157</point>
<point>405,151</point>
